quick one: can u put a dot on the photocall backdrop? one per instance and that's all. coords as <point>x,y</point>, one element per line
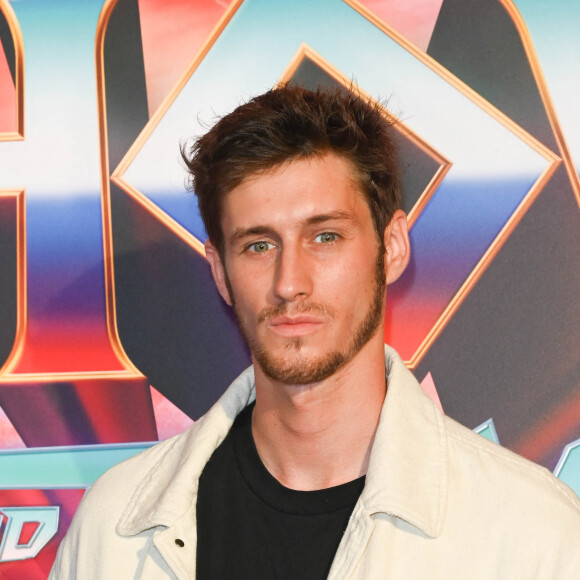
<point>112,335</point>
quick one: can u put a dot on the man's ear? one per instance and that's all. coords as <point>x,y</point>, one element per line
<point>218,271</point>
<point>398,248</point>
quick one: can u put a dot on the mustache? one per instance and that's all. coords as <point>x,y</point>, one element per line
<point>299,308</point>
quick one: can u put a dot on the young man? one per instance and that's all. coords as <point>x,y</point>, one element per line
<point>325,459</point>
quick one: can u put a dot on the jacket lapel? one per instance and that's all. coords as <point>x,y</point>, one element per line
<point>407,475</point>
<point>167,495</point>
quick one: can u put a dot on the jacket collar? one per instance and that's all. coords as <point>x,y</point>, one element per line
<point>407,475</point>
<point>169,490</point>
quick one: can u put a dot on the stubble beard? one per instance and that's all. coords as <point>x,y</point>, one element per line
<point>306,371</point>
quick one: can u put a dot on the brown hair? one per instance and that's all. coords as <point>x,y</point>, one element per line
<point>290,122</point>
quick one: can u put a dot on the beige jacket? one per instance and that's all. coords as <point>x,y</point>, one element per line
<point>440,502</point>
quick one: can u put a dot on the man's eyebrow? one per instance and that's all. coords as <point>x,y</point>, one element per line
<point>241,233</point>
<point>326,217</point>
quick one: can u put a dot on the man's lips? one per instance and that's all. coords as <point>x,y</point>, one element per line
<point>295,325</point>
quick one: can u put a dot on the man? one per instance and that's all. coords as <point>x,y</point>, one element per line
<point>325,459</point>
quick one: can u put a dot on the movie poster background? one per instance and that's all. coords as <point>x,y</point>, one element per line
<point>112,335</point>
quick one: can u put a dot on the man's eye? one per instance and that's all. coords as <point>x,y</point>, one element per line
<point>326,237</point>
<point>259,247</point>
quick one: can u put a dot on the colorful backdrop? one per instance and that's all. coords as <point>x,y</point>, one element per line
<point>112,335</point>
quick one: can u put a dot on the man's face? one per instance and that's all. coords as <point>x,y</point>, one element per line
<point>304,270</point>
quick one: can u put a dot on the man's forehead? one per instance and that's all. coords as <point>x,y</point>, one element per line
<point>278,211</point>
<point>316,185</point>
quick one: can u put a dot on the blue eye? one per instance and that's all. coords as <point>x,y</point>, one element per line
<point>326,237</point>
<point>260,247</point>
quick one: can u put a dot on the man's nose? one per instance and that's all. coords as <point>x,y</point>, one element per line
<point>293,277</point>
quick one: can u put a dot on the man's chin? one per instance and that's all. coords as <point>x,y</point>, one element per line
<point>299,369</point>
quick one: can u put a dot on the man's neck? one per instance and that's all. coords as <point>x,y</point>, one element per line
<point>318,436</point>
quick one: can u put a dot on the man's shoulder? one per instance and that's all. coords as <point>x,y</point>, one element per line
<point>502,478</point>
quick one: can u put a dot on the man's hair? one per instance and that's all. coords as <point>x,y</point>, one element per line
<point>289,123</point>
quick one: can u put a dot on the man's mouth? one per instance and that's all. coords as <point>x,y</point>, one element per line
<point>294,326</point>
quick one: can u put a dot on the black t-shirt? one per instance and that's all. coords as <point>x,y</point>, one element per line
<point>251,526</point>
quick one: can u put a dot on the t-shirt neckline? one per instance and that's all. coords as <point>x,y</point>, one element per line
<point>269,490</point>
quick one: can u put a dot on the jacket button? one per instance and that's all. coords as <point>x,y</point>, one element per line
<point>180,543</point>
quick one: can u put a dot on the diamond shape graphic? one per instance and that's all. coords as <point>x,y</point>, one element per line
<point>496,168</point>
